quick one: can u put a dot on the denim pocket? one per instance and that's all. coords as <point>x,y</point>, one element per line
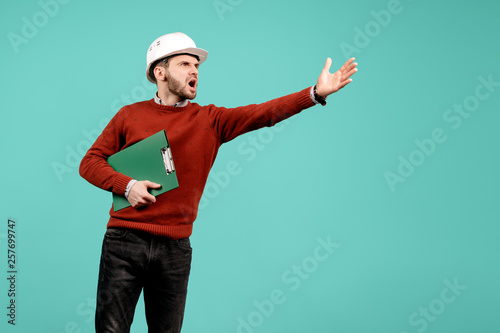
<point>115,233</point>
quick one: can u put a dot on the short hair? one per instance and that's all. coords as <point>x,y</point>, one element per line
<point>163,62</point>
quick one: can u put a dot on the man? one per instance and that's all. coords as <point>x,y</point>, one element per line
<point>146,246</point>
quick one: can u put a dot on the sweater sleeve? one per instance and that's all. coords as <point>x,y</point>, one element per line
<point>94,166</point>
<point>229,123</point>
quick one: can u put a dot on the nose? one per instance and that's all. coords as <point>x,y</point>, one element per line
<point>194,70</point>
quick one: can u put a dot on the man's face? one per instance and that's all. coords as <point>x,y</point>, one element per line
<point>182,76</point>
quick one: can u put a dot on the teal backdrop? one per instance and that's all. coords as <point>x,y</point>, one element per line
<point>378,212</point>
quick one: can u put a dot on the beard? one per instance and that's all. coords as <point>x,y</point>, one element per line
<point>176,88</point>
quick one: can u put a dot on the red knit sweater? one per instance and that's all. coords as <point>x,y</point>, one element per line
<point>195,134</point>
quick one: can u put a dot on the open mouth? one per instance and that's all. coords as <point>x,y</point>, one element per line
<point>192,83</point>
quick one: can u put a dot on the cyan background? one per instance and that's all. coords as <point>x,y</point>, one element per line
<point>321,176</point>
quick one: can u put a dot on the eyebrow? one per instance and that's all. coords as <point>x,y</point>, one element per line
<point>189,62</point>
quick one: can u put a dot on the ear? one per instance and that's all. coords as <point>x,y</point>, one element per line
<point>159,73</point>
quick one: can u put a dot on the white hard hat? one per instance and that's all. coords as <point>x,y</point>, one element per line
<point>172,44</point>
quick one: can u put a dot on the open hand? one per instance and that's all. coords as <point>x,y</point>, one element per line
<point>329,83</point>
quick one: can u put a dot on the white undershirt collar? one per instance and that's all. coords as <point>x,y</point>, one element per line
<point>179,104</point>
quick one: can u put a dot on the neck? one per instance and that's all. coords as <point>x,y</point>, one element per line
<point>167,97</point>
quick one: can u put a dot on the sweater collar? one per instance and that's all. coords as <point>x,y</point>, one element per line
<point>168,108</point>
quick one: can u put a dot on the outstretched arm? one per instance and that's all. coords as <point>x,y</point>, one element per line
<point>230,123</point>
<point>329,83</point>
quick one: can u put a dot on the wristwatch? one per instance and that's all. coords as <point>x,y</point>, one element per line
<point>318,98</point>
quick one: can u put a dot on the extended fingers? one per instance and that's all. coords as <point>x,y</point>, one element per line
<point>349,73</point>
<point>347,70</point>
<point>348,64</point>
<point>328,64</point>
<point>344,83</point>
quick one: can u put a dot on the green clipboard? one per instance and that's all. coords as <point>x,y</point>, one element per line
<point>149,159</point>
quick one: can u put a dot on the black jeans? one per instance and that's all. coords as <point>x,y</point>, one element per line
<point>132,261</point>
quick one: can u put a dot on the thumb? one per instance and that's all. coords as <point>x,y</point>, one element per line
<point>328,64</point>
<point>151,184</point>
